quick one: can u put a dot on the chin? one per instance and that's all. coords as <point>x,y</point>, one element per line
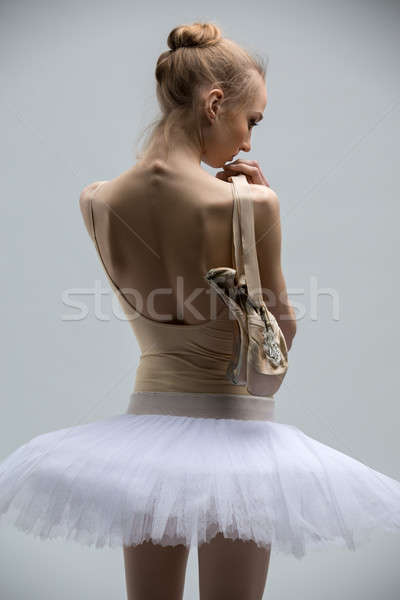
<point>217,163</point>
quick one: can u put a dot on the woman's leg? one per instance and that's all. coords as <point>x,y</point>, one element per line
<point>232,569</point>
<point>155,572</point>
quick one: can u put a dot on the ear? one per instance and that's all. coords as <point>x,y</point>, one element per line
<point>212,103</point>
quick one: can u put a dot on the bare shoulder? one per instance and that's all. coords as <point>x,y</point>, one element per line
<point>266,205</point>
<point>89,189</point>
<point>85,199</point>
<point>84,205</point>
<point>263,193</point>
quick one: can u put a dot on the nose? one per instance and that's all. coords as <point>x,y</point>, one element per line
<point>245,147</point>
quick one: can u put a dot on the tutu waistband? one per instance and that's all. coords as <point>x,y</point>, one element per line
<point>205,405</point>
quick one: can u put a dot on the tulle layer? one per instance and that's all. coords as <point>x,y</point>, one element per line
<point>180,480</point>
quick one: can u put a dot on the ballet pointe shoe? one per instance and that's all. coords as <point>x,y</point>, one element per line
<point>267,359</point>
<point>223,280</point>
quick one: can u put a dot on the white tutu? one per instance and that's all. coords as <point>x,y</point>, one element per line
<point>182,479</point>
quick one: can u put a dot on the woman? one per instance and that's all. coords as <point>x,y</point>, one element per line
<point>196,459</point>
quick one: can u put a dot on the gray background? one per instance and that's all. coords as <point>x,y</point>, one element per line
<point>77,86</point>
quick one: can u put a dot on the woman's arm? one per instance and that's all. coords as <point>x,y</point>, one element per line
<point>268,243</point>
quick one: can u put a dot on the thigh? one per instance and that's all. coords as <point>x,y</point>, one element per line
<point>232,569</point>
<point>155,572</point>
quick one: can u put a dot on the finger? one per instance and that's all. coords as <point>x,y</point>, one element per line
<point>244,160</point>
<point>252,169</point>
<point>247,163</point>
<point>248,170</point>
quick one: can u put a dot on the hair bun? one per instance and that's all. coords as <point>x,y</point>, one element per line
<point>195,35</point>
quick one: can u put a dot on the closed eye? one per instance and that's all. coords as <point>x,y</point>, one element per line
<point>253,123</point>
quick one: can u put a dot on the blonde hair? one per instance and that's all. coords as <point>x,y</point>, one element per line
<point>199,57</point>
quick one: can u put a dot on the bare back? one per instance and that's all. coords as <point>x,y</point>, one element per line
<point>159,232</point>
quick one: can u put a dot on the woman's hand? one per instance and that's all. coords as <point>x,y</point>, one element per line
<point>250,168</point>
